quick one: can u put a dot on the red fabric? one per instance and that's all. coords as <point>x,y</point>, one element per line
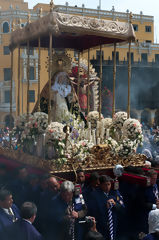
<point>134,179</point>
<point>83,101</point>
<point>12,164</point>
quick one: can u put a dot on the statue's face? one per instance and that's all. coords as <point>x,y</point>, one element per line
<point>62,84</point>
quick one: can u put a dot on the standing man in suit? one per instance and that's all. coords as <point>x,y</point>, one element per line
<point>105,207</point>
<point>23,229</point>
<point>9,213</point>
<point>148,198</point>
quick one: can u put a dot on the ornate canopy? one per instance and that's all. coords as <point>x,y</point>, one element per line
<point>73,32</point>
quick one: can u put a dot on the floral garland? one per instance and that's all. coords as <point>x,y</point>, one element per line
<point>132,130</point>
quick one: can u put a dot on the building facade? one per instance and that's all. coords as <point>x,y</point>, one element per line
<point>144,56</point>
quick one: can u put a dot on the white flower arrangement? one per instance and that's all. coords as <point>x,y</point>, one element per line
<point>132,130</point>
<point>93,117</point>
<point>79,151</point>
<point>55,132</point>
<point>126,147</point>
<point>107,122</point>
<point>118,119</point>
<point>36,126</point>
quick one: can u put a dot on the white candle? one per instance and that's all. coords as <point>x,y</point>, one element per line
<point>97,132</point>
<point>89,125</point>
<point>94,136</point>
<point>98,141</point>
<point>107,133</point>
<point>102,131</point>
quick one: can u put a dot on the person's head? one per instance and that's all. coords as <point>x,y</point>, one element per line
<point>22,173</point>
<point>43,181</point>
<point>53,184</point>
<point>94,180</point>
<point>153,221</point>
<point>33,180</point>
<point>80,176</point>
<point>28,211</point>
<point>152,174</point>
<point>66,191</point>
<point>105,183</point>
<point>6,199</point>
<point>2,169</point>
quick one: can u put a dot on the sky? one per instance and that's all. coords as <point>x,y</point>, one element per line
<point>146,6</point>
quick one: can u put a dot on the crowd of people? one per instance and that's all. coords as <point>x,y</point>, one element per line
<point>40,207</point>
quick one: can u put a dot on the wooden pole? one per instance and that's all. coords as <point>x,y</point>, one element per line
<point>50,76</point>
<point>129,79</point>
<point>100,84</point>
<point>88,87</point>
<point>11,95</point>
<point>114,79</point>
<point>78,83</point>
<point>129,69</point>
<point>18,102</point>
<point>39,64</point>
<point>28,78</point>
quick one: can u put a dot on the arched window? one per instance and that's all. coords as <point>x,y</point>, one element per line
<point>5,27</point>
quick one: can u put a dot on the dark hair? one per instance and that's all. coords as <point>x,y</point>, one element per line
<point>4,193</point>
<point>151,172</point>
<point>92,235</point>
<point>94,176</point>
<point>104,178</point>
<point>28,210</point>
<point>79,171</point>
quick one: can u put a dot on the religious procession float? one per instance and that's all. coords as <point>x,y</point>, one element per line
<point>66,130</point>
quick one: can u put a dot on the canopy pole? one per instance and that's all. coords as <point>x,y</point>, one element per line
<point>39,63</point>
<point>28,79</point>
<point>78,83</point>
<point>114,79</point>
<point>11,95</point>
<point>129,70</point>
<point>100,84</point>
<point>88,86</point>
<point>129,79</point>
<point>18,99</point>
<point>28,73</point>
<point>50,76</point>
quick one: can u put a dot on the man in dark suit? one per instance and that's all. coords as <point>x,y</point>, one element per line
<point>105,206</point>
<point>9,213</point>
<point>148,199</point>
<point>23,229</point>
<point>19,186</point>
<point>44,204</point>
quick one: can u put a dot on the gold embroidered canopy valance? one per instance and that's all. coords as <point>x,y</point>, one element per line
<point>73,32</point>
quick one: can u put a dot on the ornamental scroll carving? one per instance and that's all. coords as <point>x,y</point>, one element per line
<point>104,26</point>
